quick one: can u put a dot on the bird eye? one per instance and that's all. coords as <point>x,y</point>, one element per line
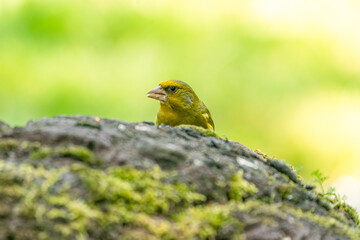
<point>173,88</point>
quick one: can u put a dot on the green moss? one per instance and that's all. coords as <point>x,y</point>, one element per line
<point>37,151</point>
<point>205,222</point>
<point>133,203</point>
<point>264,155</point>
<point>72,202</point>
<point>284,190</point>
<point>8,144</point>
<point>329,222</point>
<point>143,191</point>
<point>239,188</point>
<point>31,146</point>
<point>206,132</point>
<point>258,208</point>
<point>40,153</point>
<point>78,153</point>
<point>350,212</point>
<point>342,211</point>
<point>11,145</point>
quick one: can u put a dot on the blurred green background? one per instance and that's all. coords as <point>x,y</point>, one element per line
<point>280,76</point>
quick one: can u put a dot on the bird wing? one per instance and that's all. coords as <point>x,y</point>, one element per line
<point>207,116</point>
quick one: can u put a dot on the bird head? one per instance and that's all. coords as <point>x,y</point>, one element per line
<point>174,93</point>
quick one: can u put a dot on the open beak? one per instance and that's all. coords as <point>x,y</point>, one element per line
<point>157,93</point>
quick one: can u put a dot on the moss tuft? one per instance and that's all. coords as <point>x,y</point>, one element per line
<point>328,222</point>
<point>259,209</point>
<point>8,144</point>
<point>239,188</point>
<point>206,222</point>
<point>41,153</point>
<point>351,213</point>
<point>206,132</point>
<point>284,190</point>
<point>78,153</point>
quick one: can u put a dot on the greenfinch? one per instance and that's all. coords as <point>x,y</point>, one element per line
<point>179,105</point>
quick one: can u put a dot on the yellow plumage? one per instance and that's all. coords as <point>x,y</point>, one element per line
<point>179,105</point>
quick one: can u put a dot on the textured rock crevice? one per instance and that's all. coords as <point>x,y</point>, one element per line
<point>80,177</point>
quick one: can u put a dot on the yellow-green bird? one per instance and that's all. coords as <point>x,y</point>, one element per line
<point>179,105</point>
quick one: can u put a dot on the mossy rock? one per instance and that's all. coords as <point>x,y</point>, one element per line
<point>83,177</point>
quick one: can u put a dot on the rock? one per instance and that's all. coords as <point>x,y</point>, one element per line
<point>81,177</point>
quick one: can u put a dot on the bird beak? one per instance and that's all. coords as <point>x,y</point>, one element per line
<point>157,93</point>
